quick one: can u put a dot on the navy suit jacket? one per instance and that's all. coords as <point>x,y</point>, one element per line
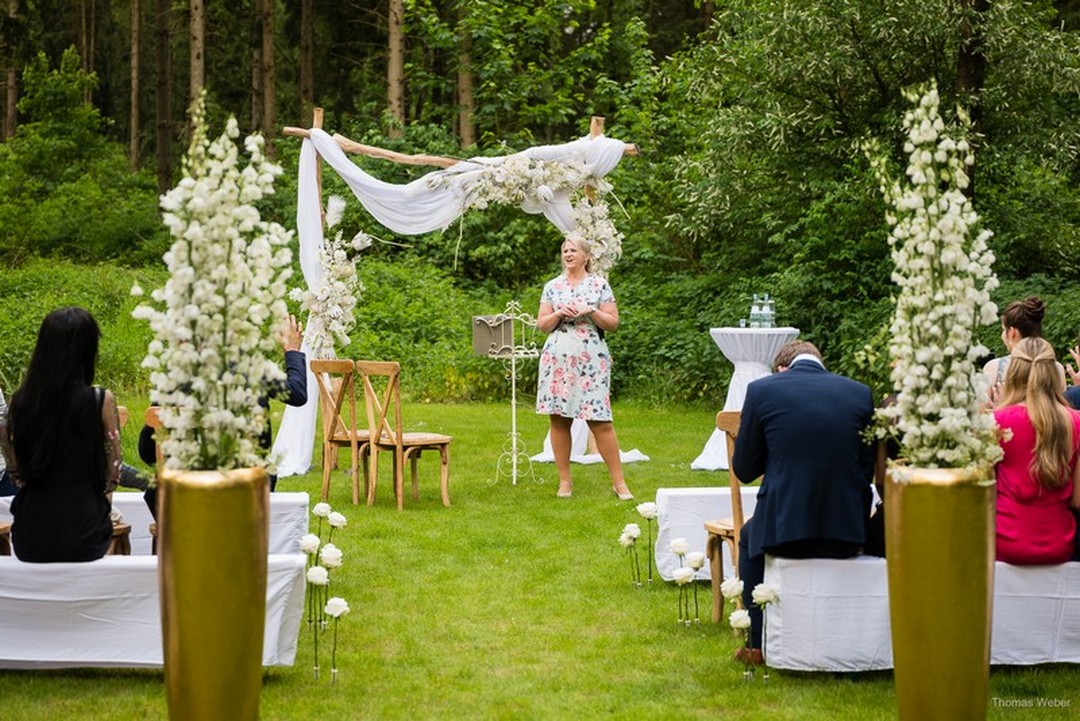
<point>801,429</point>
<point>1072,395</point>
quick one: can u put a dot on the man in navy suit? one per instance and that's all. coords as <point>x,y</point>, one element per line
<point>801,430</point>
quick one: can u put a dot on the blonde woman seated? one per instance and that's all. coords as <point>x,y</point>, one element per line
<point>1038,479</point>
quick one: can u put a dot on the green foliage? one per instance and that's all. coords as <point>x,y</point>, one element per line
<point>32,291</point>
<point>65,189</point>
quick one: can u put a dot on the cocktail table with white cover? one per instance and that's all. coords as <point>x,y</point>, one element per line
<point>752,351</point>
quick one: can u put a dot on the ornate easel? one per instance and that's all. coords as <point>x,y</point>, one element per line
<point>511,346</point>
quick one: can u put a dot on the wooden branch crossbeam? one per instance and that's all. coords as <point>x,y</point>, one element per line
<point>370,151</point>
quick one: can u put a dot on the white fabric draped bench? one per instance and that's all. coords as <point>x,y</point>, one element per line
<point>682,513</point>
<point>107,613</point>
<point>833,615</point>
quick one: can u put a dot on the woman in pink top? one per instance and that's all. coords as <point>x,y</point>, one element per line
<point>1037,480</point>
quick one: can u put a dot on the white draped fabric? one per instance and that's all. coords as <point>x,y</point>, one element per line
<point>429,203</point>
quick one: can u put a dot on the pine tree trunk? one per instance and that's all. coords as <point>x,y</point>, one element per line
<point>269,111</point>
<point>84,41</point>
<point>466,98</point>
<point>197,52</point>
<point>971,69</point>
<point>133,152</point>
<point>163,104</point>
<point>307,71</point>
<point>11,111</point>
<point>395,67</point>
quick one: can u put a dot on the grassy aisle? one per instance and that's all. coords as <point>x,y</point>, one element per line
<point>513,604</point>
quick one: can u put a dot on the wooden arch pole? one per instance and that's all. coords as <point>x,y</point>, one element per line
<point>316,122</point>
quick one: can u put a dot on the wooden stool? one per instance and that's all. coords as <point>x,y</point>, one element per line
<point>153,538</point>
<point>121,540</point>
<point>5,539</point>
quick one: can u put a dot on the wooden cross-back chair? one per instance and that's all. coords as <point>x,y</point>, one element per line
<point>725,530</point>
<point>336,380</point>
<point>382,396</point>
<point>153,419</point>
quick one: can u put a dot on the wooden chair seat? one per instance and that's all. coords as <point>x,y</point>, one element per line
<point>382,397</point>
<point>725,531</point>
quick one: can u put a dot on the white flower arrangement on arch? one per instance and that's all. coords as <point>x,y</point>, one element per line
<point>211,355</point>
<point>330,305</point>
<point>944,269</point>
<point>521,180</point>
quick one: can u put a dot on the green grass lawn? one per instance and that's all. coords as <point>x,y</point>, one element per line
<point>513,604</point>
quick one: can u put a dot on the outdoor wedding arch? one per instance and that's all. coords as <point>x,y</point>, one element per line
<point>563,182</point>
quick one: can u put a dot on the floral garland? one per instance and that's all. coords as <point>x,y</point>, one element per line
<point>330,304</point>
<point>210,358</point>
<point>945,272</point>
<point>521,180</point>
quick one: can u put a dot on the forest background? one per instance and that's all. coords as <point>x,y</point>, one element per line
<point>749,114</point>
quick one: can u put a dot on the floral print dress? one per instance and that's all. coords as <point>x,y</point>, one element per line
<point>575,365</point>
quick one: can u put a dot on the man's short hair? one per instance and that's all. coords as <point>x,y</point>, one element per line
<point>792,350</point>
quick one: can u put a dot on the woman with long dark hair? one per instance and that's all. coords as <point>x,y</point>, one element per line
<point>63,446</point>
<point>1037,479</point>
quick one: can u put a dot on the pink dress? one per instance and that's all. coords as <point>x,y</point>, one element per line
<point>1034,526</point>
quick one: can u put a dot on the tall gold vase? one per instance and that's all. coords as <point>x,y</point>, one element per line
<point>940,545</point>
<point>212,541</point>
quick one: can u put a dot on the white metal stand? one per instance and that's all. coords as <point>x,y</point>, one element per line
<point>511,348</point>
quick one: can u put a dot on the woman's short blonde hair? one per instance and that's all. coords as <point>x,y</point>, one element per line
<point>583,245</point>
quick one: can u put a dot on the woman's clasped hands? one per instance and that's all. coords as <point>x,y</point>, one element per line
<point>574,310</point>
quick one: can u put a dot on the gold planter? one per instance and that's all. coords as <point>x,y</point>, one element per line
<point>212,539</point>
<point>939,541</point>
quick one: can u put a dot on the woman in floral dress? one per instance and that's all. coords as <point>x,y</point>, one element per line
<point>575,366</point>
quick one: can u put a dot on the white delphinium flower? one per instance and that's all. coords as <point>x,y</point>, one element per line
<point>214,350</point>
<point>632,530</point>
<point>695,560</point>
<point>647,510</point>
<point>944,269</point>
